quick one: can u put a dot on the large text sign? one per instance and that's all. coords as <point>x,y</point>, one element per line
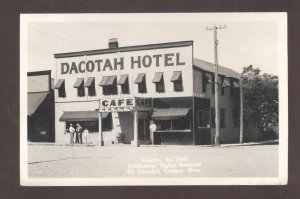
<point>134,62</point>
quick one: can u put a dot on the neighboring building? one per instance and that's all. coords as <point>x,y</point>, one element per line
<point>40,109</point>
<point>130,86</point>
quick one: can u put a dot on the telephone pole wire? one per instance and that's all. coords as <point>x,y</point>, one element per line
<point>216,82</point>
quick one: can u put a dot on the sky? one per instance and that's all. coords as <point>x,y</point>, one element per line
<point>242,43</point>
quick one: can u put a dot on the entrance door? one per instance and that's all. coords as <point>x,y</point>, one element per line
<point>143,129</point>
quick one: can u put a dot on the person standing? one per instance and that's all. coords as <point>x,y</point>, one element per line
<point>72,131</point>
<point>79,131</point>
<point>152,129</point>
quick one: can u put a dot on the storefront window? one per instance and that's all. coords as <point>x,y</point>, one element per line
<point>203,119</point>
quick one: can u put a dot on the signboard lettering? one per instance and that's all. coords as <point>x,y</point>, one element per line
<point>136,62</point>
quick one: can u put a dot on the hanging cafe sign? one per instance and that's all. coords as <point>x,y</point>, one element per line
<point>124,104</point>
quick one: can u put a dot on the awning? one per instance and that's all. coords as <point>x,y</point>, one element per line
<point>226,83</point>
<point>78,83</point>
<point>236,84</point>
<point>158,77</point>
<point>90,81</point>
<point>209,79</point>
<point>59,83</point>
<point>80,116</point>
<point>123,79</point>
<point>169,113</point>
<point>34,100</point>
<point>139,79</point>
<point>103,81</point>
<point>111,80</point>
<point>176,76</point>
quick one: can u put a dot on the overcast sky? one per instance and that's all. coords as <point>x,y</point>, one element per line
<point>242,43</point>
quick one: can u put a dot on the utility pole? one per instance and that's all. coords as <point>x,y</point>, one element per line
<point>216,82</point>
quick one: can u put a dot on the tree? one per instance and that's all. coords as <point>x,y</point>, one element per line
<point>260,93</point>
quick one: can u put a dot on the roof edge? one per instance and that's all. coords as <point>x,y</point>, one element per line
<point>125,49</point>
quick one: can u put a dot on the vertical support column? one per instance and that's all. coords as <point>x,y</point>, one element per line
<point>100,129</point>
<point>135,141</point>
<point>241,112</point>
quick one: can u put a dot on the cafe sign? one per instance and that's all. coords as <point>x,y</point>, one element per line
<point>124,104</point>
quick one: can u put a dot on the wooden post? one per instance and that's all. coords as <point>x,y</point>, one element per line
<point>135,141</point>
<point>100,130</point>
<point>241,112</point>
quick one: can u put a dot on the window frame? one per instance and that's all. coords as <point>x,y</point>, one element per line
<point>206,117</point>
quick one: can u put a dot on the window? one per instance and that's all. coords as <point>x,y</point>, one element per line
<point>141,81</point>
<point>90,84</point>
<point>204,82</point>
<point>123,82</point>
<point>109,85</point>
<point>213,84</point>
<point>80,88</point>
<point>60,86</point>
<point>177,81</point>
<point>159,82</point>
<point>222,118</point>
<point>235,118</point>
<point>213,117</point>
<point>231,88</point>
<point>222,87</point>
<point>203,119</point>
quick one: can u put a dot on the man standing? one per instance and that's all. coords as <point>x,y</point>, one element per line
<point>71,130</point>
<point>152,129</point>
<point>79,131</point>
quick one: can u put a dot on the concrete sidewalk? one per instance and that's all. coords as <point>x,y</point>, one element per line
<point>269,142</point>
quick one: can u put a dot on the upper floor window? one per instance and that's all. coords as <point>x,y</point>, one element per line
<point>80,88</point>
<point>90,84</point>
<point>60,86</point>
<point>123,82</point>
<point>204,82</point>
<point>109,85</point>
<point>159,82</point>
<point>141,81</point>
<point>177,80</point>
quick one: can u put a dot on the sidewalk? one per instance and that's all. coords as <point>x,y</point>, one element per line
<point>269,142</point>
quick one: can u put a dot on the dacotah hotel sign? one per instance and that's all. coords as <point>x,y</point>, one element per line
<point>110,64</point>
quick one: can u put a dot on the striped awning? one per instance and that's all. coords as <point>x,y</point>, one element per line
<point>176,76</point>
<point>90,81</point>
<point>158,77</point>
<point>59,83</point>
<point>103,81</point>
<point>123,79</point>
<point>34,101</point>
<point>78,83</point>
<point>111,80</point>
<point>169,113</point>
<point>139,79</point>
<point>71,116</point>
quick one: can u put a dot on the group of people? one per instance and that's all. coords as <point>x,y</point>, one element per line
<point>78,133</point>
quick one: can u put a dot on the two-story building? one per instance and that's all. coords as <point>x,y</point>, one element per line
<point>117,92</point>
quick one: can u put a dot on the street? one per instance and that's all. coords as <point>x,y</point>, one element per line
<point>51,161</point>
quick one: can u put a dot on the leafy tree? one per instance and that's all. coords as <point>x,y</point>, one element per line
<point>260,93</point>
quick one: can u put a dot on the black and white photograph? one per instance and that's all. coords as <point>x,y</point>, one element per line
<point>153,99</point>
